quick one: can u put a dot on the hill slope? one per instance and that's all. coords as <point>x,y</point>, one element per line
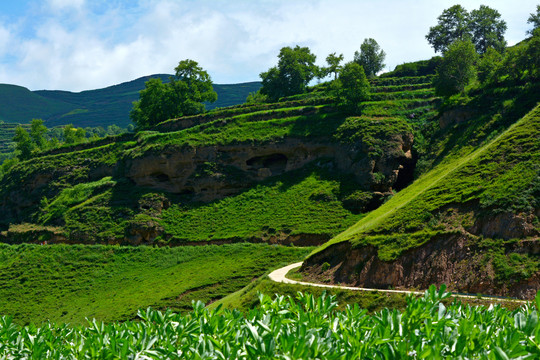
<point>297,171</point>
<point>471,222</point>
<point>101,107</point>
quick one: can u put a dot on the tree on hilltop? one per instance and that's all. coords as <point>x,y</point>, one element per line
<point>334,66</point>
<point>487,29</point>
<point>296,68</point>
<point>484,27</point>
<point>183,95</point>
<point>371,57</point>
<point>453,24</point>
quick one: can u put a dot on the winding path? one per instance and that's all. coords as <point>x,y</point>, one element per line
<point>279,276</point>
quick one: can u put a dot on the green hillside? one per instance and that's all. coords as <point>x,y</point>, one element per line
<point>475,211</point>
<point>267,188</point>
<point>101,107</point>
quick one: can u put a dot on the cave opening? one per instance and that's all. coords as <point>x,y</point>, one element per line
<point>275,162</point>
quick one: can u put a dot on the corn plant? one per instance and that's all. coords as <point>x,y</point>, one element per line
<point>301,327</point>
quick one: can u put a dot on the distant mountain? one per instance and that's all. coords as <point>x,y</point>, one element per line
<point>101,107</point>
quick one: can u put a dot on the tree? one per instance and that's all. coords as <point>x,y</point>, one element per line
<point>37,133</point>
<point>483,26</point>
<point>534,19</point>
<point>487,29</point>
<point>296,68</point>
<point>453,24</point>
<point>183,95</point>
<point>73,135</point>
<point>488,65</point>
<point>193,85</point>
<point>354,86</point>
<point>371,57</point>
<point>334,66</point>
<point>457,68</point>
<point>24,145</point>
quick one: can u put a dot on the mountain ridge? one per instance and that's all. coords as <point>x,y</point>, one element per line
<point>96,107</point>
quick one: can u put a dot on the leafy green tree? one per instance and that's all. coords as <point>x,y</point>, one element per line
<point>24,146</point>
<point>37,134</point>
<point>114,130</point>
<point>183,95</point>
<point>453,24</point>
<point>483,26</point>
<point>371,57</point>
<point>487,29</point>
<point>296,68</point>
<point>73,135</point>
<point>457,68</point>
<point>256,98</point>
<point>534,19</point>
<point>353,85</point>
<point>488,64</point>
<point>334,66</point>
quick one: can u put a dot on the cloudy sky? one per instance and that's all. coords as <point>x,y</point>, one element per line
<point>86,44</point>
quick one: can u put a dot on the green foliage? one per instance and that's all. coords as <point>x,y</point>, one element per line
<point>374,133</point>
<point>488,65</point>
<point>69,197</point>
<point>534,20</point>
<point>483,26</point>
<point>353,86</point>
<point>487,29</point>
<point>371,57</point>
<point>334,66</point>
<point>296,67</point>
<point>23,143</point>
<point>416,68</point>
<point>184,94</point>
<point>256,98</point>
<point>453,24</point>
<point>293,327</point>
<point>37,133</point>
<point>457,69</point>
<point>73,135</point>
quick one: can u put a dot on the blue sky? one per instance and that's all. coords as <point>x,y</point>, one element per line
<point>86,44</point>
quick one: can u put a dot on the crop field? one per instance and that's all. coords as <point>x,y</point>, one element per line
<point>286,327</point>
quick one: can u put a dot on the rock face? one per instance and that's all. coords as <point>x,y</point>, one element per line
<point>452,260</point>
<point>208,173</point>
<point>214,172</point>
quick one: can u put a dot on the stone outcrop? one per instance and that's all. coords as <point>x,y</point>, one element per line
<point>453,260</point>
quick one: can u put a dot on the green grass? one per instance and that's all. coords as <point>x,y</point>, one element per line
<point>493,175</point>
<point>68,283</point>
<point>308,201</point>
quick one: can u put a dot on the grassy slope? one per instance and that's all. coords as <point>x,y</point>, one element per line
<point>70,283</point>
<point>500,176</point>
<point>304,202</point>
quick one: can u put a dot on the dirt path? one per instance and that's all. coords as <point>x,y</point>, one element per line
<point>279,276</point>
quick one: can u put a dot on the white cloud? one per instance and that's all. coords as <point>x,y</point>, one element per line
<point>80,46</point>
<point>66,4</point>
